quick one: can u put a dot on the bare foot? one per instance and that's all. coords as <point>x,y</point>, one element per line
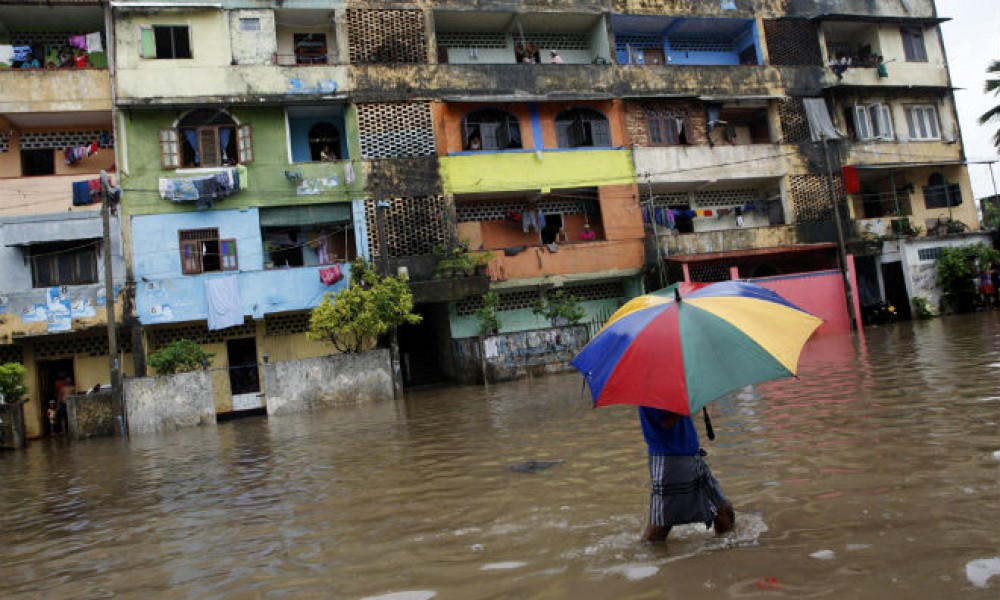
<point>655,533</point>
<point>725,519</point>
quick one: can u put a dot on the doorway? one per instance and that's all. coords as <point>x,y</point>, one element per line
<point>422,346</point>
<point>895,288</point>
<point>244,377</point>
<point>55,379</point>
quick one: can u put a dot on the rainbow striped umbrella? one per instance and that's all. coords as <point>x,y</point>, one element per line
<point>680,354</point>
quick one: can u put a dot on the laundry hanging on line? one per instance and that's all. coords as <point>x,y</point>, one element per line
<point>74,154</point>
<point>204,190</point>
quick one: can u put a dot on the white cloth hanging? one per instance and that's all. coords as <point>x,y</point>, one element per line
<point>94,42</point>
<point>225,307</point>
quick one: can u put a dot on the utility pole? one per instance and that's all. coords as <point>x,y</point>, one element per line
<point>841,246</point>
<point>109,294</point>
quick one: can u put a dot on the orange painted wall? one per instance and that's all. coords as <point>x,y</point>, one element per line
<point>621,212</point>
<point>448,120</point>
<point>572,258</point>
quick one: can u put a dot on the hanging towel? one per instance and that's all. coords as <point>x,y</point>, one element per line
<point>78,41</point>
<point>6,54</point>
<point>225,308</point>
<point>349,173</point>
<point>330,275</point>
<point>93,42</point>
<point>81,193</point>
<point>21,52</point>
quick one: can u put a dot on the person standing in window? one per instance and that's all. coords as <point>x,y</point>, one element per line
<point>555,59</point>
<point>588,234</point>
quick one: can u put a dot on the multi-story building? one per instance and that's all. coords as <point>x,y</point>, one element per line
<point>598,147</point>
<point>56,136</point>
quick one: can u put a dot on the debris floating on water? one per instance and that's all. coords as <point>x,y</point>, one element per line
<point>533,466</point>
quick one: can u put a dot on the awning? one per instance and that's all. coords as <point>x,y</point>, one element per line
<point>44,231</point>
<point>296,216</point>
<point>910,165</point>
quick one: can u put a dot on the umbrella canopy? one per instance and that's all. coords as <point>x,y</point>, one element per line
<point>680,354</point>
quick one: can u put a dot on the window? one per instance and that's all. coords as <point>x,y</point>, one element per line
<point>324,142</point>
<point>922,122</point>
<point>578,127</point>
<point>316,234</point>
<point>205,138</point>
<point>165,41</point>
<point>666,131</point>
<point>872,122</point>
<point>490,129</point>
<point>203,252</point>
<point>64,263</point>
<point>913,44</point>
<point>252,24</point>
<point>938,193</point>
<point>310,48</point>
<point>38,162</point>
<point>933,253</point>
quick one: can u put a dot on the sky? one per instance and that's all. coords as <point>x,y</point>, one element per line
<point>971,41</point>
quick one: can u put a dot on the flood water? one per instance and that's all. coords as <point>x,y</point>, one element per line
<point>873,475</point>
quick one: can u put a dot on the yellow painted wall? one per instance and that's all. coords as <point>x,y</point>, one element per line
<point>529,171</point>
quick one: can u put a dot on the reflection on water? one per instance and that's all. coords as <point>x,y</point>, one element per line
<point>874,473</point>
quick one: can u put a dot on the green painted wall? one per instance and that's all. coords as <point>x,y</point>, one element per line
<point>268,185</point>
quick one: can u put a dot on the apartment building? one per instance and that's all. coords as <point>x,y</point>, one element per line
<point>600,148</point>
<point>56,137</point>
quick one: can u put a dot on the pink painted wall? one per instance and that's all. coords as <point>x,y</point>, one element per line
<point>820,293</point>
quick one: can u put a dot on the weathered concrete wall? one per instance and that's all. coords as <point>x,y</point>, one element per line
<point>515,355</point>
<point>94,415</point>
<point>169,402</point>
<point>12,430</point>
<point>317,383</point>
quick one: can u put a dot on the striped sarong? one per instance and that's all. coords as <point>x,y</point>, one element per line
<point>684,490</point>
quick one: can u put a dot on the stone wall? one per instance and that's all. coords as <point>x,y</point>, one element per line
<point>94,415</point>
<point>316,383</point>
<point>515,355</point>
<point>169,402</point>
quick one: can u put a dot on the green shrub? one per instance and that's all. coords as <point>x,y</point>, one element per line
<point>922,308</point>
<point>559,308</point>
<point>12,381</point>
<point>180,356</point>
<point>956,270</point>
<point>488,315</point>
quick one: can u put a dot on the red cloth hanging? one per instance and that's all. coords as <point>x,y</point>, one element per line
<point>330,275</point>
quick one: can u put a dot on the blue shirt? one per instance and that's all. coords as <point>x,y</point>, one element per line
<point>679,440</point>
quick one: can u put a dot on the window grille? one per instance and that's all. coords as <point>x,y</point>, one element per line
<point>929,253</point>
<point>396,130</point>
<point>472,40</point>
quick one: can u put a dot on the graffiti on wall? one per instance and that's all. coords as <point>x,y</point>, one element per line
<point>511,355</point>
<point>58,307</point>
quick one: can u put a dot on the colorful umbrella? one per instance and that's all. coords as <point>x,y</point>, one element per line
<point>680,354</point>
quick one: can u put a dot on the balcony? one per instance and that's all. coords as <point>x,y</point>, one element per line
<point>55,91</point>
<point>704,164</point>
<point>180,299</point>
<point>730,240</point>
<point>574,258</point>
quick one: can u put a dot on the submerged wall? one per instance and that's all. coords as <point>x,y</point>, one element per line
<point>169,402</point>
<point>315,383</point>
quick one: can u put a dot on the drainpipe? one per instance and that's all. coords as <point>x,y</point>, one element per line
<point>841,247</point>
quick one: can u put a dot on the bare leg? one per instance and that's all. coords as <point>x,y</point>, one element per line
<point>725,519</point>
<point>655,533</point>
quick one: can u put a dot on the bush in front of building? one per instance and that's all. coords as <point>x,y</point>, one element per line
<point>12,386</point>
<point>180,356</point>
<point>353,319</point>
<point>956,274</point>
<point>560,308</point>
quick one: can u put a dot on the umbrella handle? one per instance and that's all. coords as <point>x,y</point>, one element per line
<point>708,424</point>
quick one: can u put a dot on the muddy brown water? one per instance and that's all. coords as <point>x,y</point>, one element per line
<point>873,475</point>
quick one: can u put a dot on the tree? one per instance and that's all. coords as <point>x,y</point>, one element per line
<point>369,307</point>
<point>488,315</point>
<point>12,381</point>
<point>992,87</point>
<point>180,356</point>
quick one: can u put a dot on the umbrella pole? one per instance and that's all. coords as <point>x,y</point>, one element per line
<point>708,424</point>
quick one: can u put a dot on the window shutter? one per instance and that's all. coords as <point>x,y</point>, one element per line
<point>861,124</point>
<point>147,43</point>
<point>503,135</point>
<point>227,255</point>
<point>208,142</point>
<point>885,122</point>
<point>244,143</point>
<point>932,123</point>
<point>600,133</point>
<point>190,257</point>
<point>577,133</point>
<point>170,154</point>
<point>655,135</point>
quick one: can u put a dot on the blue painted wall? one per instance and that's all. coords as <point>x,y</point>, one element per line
<point>298,129</point>
<point>164,295</point>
